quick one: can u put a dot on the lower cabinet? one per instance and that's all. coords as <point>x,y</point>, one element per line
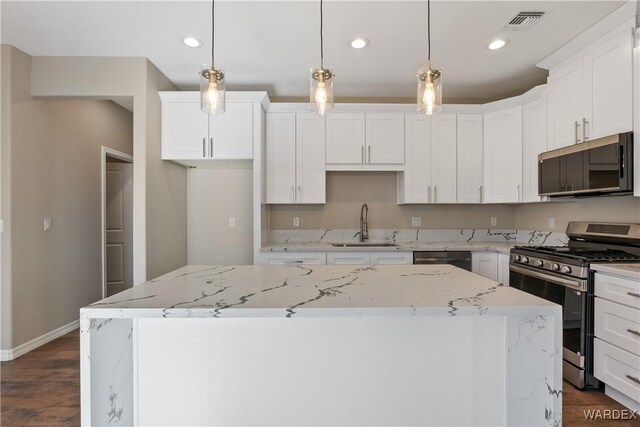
<point>485,264</point>
<point>503,269</point>
<point>362,258</point>
<point>309,258</point>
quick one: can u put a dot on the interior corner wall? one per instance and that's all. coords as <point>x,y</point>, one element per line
<point>56,173</point>
<point>166,189</point>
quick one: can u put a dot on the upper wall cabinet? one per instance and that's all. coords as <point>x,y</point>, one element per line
<point>295,154</point>
<point>502,156</point>
<point>365,141</point>
<point>190,134</point>
<point>534,142</point>
<point>430,167</point>
<point>470,158</point>
<point>590,96</point>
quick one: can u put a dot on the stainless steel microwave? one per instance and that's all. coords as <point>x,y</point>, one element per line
<point>601,166</point>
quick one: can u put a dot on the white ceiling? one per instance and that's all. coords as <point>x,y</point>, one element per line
<point>267,45</point>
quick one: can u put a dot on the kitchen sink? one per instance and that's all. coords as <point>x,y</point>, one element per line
<point>363,245</point>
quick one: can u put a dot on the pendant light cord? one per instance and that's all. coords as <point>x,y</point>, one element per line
<point>429,31</point>
<point>321,39</point>
<point>213,33</point>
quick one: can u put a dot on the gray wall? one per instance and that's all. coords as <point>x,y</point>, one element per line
<point>55,173</point>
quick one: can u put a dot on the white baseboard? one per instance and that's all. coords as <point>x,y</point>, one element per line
<point>621,398</point>
<point>6,355</point>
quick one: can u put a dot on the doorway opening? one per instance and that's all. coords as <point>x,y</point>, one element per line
<point>117,221</point>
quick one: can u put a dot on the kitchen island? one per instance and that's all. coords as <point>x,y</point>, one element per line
<point>321,345</point>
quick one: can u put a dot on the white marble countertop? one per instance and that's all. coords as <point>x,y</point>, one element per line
<point>317,291</point>
<point>629,270</point>
<point>501,247</point>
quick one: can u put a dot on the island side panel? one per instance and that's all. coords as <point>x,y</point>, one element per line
<point>388,370</point>
<point>534,370</point>
<point>106,353</point>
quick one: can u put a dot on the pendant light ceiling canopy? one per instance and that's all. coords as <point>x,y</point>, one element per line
<point>212,82</point>
<point>321,79</point>
<point>429,79</point>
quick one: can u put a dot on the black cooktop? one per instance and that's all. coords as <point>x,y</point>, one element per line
<point>582,254</point>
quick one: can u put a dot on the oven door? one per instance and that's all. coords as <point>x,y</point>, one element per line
<point>571,294</point>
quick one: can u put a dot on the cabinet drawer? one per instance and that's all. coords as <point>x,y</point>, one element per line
<point>310,258</point>
<point>391,257</point>
<point>348,258</point>
<point>617,368</point>
<point>618,289</point>
<point>618,325</point>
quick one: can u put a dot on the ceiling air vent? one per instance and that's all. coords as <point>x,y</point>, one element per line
<point>525,20</point>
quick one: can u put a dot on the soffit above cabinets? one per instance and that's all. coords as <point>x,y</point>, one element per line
<point>270,45</point>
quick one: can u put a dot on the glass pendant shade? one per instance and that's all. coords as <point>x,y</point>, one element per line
<point>321,90</point>
<point>212,90</point>
<point>429,91</point>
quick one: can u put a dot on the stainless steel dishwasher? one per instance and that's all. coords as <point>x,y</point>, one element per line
<point>460,259</point>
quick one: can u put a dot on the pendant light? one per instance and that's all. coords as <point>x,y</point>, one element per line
<point>321,81</point>
<point>211,79</point>
<point>429,79</point>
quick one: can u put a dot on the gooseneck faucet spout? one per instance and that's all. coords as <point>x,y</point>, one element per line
<point>364,226</point>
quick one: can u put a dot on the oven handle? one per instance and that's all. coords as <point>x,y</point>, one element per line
<point>577,284</point>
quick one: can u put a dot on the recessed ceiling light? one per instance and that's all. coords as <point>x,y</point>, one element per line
<point>191,41</point>
<point>497,44</point>
<point>359,43</point>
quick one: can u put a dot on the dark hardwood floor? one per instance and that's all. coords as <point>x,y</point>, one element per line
<point>43,388</point>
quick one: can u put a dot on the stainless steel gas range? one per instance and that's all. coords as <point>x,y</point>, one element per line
<point>562,275</point>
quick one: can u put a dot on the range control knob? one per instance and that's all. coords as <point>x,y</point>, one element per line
<point>555,267</point>
<point>565,269</point>
<point>525,260</point>
<point>516,258</point>
<point>539,263</point>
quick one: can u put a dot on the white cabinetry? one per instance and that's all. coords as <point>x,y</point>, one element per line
<point>534,142</point>
<point>590,96</point>
<point>430,167</point>
<point>295,158</point>
<point>373,258</point>
<point>190,134</point>
<point>365,141</point>
<point>617,337</point>
<point>485,264</point>
<point>383,258</point>
<point>502,156</point>
<point>470,158</point>
<point>311,258</point>
<point>503,269</point>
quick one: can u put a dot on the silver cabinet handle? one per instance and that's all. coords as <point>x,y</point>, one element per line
<point>576,130</point>
<point>633,294</point>
<point>428,194</point>
<point>210,147</point>
<point>435,194</point>
<point>517,192</point>
<point>631,331</point>
<point>293,196</point>
<point>362,154</point>
<point>480,190</point>
<point>585,122</point>
<point>204,147</point>
<point>369,150</point>
<point>294,261</point>
<point>299,194</point>
<point>634,379</point>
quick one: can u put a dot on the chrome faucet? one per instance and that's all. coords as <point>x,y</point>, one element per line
<point>364,227</point>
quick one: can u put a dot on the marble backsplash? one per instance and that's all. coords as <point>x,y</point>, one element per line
<point>531,237</point>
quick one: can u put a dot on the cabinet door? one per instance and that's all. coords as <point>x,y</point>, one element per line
<point>608,99</point>
<point>184,131</point>
<point>415,181</point>
<point>345,138</point>
<point>232,132</point>
<point>281,157</point>
<point>503,269</point>
<point>534,142</point>
<point>310,161</point>
<point>348,258</point>
<point>485,264</point>
<point>443,158</point>
<point>383,258</point>
<point>503,156</point>
<point>385,138</point>
<point>566,101</point>
<point>470,158</point>
<point>298,258</point>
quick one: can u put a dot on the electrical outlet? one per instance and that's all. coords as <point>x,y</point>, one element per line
<point>552,222</point>
<point>232,222</point>
<point>494,221</point>
<point>416,221</point>
<point>47,224</point>
<point>296,221</point>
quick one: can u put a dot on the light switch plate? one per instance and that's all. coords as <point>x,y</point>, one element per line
<point>494,221</point>
<point>416,221</point>
<point>232,222</point>
<point>47,224</point>
<point>552,222</point>
<point>296,221</point>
